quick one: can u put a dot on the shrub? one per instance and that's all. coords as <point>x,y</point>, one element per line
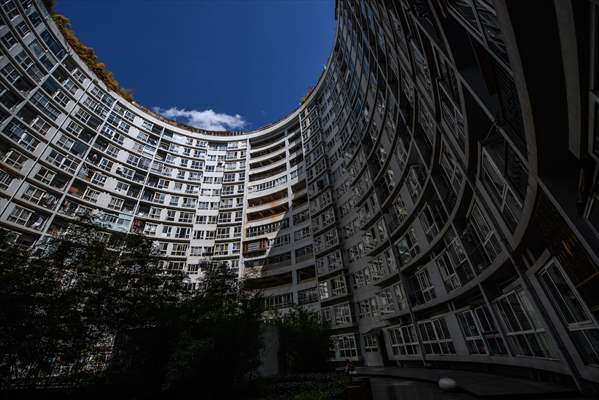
<point>304,342</point>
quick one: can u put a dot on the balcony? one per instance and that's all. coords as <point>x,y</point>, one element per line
<point>256,248</point>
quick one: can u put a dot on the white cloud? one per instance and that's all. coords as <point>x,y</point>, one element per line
<point>207,119</point>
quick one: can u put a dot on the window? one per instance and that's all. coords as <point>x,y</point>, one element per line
<point>11,74</point>
<point>342,314</point>
<point>524,331</point>
<point>33,194</point>
<point>176,265</point>
<point>179,249</point>
<point>453,265</point>
<point>500,190</point>
<point>67,163</point>
<point>428,222</point>
<point>278,301</point>
<point>301,234</point>
<point>170,215</point>
<point>485,233</point>
<point>61,98</point>
<point>91,195</point>
<point>413,180</point>
<point>182,233</point>
<point>427,289</point>
<point>35,18</point>
<point>580,323</point>
<point>385,301</point>
<point>122,187</point>
<point>407,246</point>
<point>472,336</point>
<point>155,212</point>
<point>323,290</point>
<point>8,40</point>
<point>338,287</point>
<point>162,248</point>
<point>480,334</point>
<point>19,215</point>
<point>343,347</point>
<point>15,159</point>
<point>435,337</point>
<point>99,179</point>
<point>43,102</point>
<point>399,211</point>
<point>186,217</point>
<point>451,168</point>
<point>159,198</point>
<point>150,229</point>
<point>10,8</point>
<point>370,344</point>
<point>5,180</point>
<point>403,340</point>
<point>116,203</point>
<point>105,164</point>
<point>166,230</point>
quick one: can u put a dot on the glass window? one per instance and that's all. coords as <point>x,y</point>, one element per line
<point>525,334</point>
<point>581,325</point>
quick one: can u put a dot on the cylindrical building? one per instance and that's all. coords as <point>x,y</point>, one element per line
<point>435,197</point>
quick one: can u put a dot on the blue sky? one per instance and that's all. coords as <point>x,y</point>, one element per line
<point>233,64</point>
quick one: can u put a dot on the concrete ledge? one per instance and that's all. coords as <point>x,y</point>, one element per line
<point>479,384</point>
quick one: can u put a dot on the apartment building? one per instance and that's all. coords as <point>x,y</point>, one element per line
<point>435,198</point>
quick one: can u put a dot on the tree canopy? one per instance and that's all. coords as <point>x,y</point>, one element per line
<point>90,306</point>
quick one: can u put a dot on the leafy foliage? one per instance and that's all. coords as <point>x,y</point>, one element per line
<point>305,97</point>
<point>87,54</point>
<point>73,294</point>
<point>321,386</point>
<point>304,342</point>
<point>77,299</point>
<point>219,342</point>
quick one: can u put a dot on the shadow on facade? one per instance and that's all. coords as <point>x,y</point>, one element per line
<point>283,263</point>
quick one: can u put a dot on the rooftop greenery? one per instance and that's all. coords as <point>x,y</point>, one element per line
<point>87,54</point>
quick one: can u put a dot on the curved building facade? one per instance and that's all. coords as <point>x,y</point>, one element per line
<point>435,198</point>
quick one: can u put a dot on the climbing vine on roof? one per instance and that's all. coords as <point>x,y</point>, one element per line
<point>87,54</point>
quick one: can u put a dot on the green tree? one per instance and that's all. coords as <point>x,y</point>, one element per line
<point>304,342</point>
<point>75,293</point>
<point>218,347</point>
<point>29,294</point>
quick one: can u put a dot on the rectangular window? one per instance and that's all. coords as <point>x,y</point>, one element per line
<point>179,249</point>
<point>403,340</point>
<point>5,180</point>
<point>343,347</point>
<point>408,247</point>
<point>435,337</point>
<point>91,195</point>
<point>370,344</point>
<point>426,287</point>
<point>116,203</point>
<point>484,238</point>
<point>20,215</point>
<point>574,314</point>
<point>8,40</point>
<point>504,196</point>
<point>43,102</point>
<point>524,331</point>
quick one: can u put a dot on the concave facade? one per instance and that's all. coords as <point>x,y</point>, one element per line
<point>434,198</point>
